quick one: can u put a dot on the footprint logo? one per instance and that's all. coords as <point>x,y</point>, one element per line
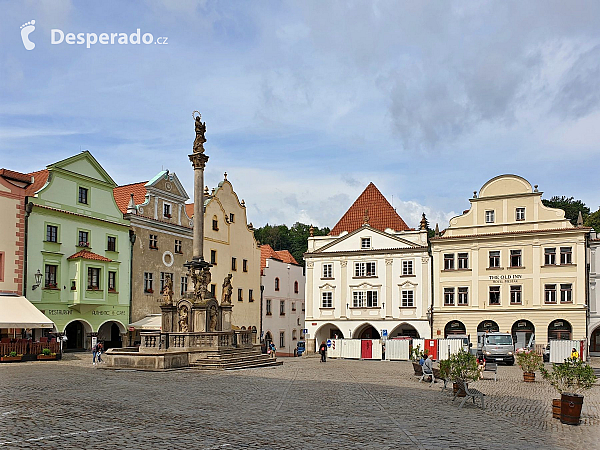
<point>26,30</point>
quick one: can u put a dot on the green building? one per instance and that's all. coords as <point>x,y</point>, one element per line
<point>78,240</point>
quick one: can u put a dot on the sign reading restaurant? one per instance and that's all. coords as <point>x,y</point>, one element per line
<point>504,278</point>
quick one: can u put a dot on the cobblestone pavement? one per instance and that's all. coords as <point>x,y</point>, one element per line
<point>302,404</point>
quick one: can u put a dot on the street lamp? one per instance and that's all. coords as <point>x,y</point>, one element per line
<point>38,280</point>
<point>429,315</point>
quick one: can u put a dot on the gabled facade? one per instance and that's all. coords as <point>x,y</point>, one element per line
<point>283,282</point>
<point>368,281</point>
<point>79,241</point>
<point>510,264</point>
<point>13,188</point>
<point>229,244</point>
<point>162,235</point>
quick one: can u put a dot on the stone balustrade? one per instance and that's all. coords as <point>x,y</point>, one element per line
<point>202,340</point>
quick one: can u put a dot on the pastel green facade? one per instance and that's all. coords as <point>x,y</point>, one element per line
<point>74,297</point>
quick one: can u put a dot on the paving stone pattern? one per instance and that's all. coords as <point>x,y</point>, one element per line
<point>302,404</point>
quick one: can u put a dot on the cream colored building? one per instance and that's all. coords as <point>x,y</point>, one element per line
<point>229,244</point>
<point>510,264</point>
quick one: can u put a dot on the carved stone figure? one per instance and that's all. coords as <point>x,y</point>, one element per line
<point>200,130</point>
<point>183,319</point>
<point>212,325</point>
<point>168,292</point>
<point>227,290</point>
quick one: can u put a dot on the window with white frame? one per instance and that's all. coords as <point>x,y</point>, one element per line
<point>327,270</point>
<point>515,295</point>
<point>495,258</point>
<point>550,293</point>
<point>148,286</point>
<point>494,295</point>
<point>282,307</point>
<point>282,339</point>
<point>364,269</point>
<point>408,298</point>
<point>490,216</point>
<point>449,296</point>
<point>327,300</point>
<point>520,214</point>
<point>407,267</point>
<point>167,210</point>
<point>184,285</point>
<point>365,243</point>
<point>463,260</point>
<point>463,296</point>
<point>566,255</point>
<point>268,307</point>
<point>364,299</point>
<point>515,258</point>
<point>449,261</point>
<point>550,256</point>
<point>566,293</point>
<point>178,245</point>
<point>93,278</point>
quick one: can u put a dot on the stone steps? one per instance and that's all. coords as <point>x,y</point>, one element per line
<point>235,360</point>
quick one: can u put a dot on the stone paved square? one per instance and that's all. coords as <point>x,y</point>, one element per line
<point>302,404</point>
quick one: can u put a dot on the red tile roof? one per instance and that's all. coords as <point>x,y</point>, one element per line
<point>266,251</point>
<point>381,214</point>
<point>189,209</point>
<point>86,254</point>
<point>39,179</point>
<point>122,194</point>
<point>17,176</point>
<point>286,257</point>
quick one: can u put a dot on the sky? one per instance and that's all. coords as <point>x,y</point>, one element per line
<point>306,102</point>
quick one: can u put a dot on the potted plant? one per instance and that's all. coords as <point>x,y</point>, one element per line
<point>444,366</point>
<point>570,379</point>
<point>529,361</point>
<point>462,366</point>
<point>11,357</point>
<point>46,354</point>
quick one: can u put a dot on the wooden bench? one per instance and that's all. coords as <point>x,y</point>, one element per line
<point>470,393</point>
<point>492,367</point>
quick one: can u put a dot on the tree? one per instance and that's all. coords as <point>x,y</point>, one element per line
<point>294,239</point>
<point>593,221</point>
<point>570,206</point>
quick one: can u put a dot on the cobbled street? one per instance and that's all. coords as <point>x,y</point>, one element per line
<point>302,404</point>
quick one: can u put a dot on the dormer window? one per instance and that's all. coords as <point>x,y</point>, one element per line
<point>490,216</point>
<point>167,210</point>
<point>365,243</point>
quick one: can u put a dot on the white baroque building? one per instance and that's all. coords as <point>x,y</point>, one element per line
<point>282,284</point>
<point>369,277</point>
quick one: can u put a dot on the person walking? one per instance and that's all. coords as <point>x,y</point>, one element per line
<point>273,349</point>
<point>323,351</point>
<point>94,354</point>
<point>100,350</point>
<point>574,354</point>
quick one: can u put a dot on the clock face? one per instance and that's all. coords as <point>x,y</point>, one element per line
<point>168,186</point>
<point>141,210</point>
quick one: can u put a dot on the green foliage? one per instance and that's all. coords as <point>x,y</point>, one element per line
<point>444,366</point>
<point>573,376</point>
<point>463,366</point>
<point>46,351</point>
<point>593,221</point>
<point>415,353</point>
<point>12,354</point>
<point>570,206</point>
<point>294,239</point>
<point>529,361</point>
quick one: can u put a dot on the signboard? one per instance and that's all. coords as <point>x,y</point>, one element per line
<point>384,333</point>
<point>329,343</point>
<point>305,330</point>
<point>94,341</point>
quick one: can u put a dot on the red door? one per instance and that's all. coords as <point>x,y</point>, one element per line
<point>366,349</point>
<point>431,347</point>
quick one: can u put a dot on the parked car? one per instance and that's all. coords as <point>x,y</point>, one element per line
<point>546,354</point>
<point>300,348</point>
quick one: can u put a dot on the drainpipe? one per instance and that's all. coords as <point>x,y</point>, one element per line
<point>28,209</point>
<point>132,238</point>
<point>262,288</point>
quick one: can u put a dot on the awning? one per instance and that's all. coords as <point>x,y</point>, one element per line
<point>148,323</point>
<point>18,312</point>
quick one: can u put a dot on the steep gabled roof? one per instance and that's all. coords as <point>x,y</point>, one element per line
<point>16,176</point>
<point>266,252</point>
<point>39,180</point>
<point>122,194</point>
<point>381,214</point>
<point>286,257</point>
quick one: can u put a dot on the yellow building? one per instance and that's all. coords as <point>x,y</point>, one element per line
<point>510,264</point>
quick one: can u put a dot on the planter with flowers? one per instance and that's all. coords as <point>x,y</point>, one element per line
<point>529,361</point>
<point>11,357</point>
<point>46,354</point>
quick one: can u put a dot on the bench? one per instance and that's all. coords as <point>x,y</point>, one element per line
<point>470,393</point>
<point>436,375</point>
<point>491,367</point>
